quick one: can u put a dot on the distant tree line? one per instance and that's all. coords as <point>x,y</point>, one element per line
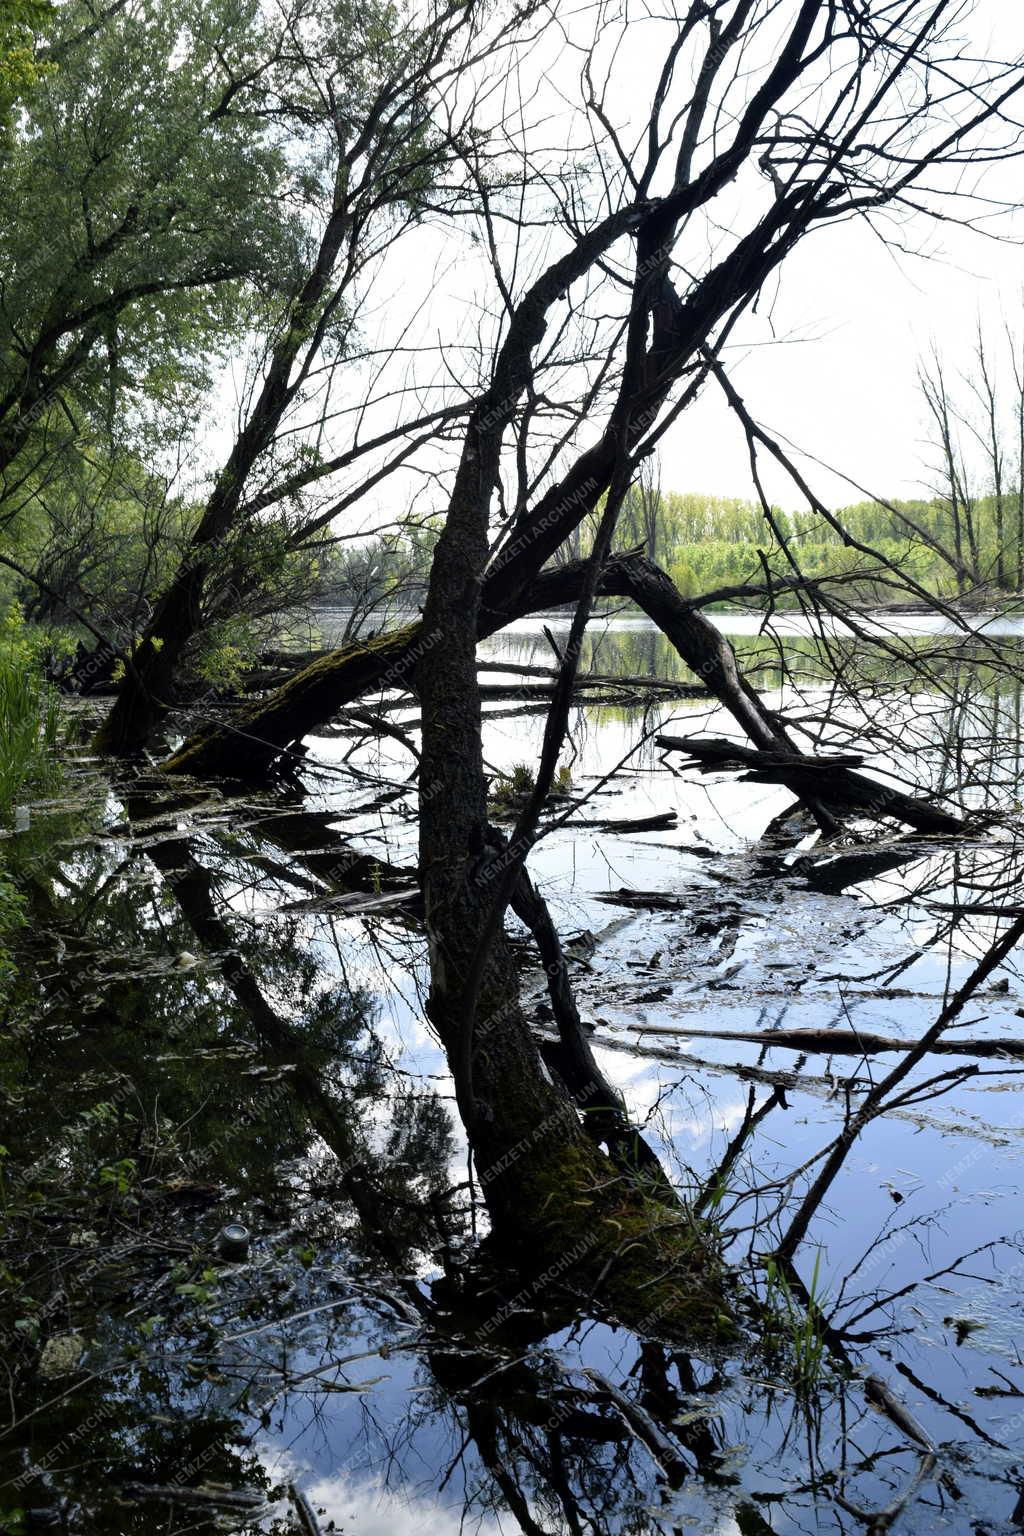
<point>710,543</point>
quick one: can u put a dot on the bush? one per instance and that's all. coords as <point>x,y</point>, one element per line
<point>13,915</point>
<point>28,715</point>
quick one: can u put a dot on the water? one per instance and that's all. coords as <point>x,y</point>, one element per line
<point>213,1036</point>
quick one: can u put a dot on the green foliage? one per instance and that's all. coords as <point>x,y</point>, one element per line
<point>710,542</point>
<point>382,570</point>
<point>144,228</point>
<point>28,737</point>
<point>166,194</point>
<point>512,788</point>
<point>707,543</point>
<point>13,916</point>
<point>118,1177</point>
<point>21,21</point>
<point>225,652</point>
<point>800,1326</point>
<point>28,715</point>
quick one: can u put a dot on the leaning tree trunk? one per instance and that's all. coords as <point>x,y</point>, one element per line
<point>555,1198</point>
<point>249,746</point>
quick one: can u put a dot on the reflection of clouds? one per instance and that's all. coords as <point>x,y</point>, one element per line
<point>646,1092</point>
<point>724,1117</point>
<point>366,1506</point>
<point>353,1503</point>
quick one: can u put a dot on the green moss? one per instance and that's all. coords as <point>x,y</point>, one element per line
<point>278,719</point>
<point>644,1262</point>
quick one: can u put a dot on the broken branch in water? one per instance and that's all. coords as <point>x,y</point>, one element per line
<point>304,1511</point>
<point>882,1520</point>
<point>831,779</point>
<point>214,1498</point>
<point>664,1454</point>
<point>662,821</point>
<point>879,1097</point>
<point>839,1042</point>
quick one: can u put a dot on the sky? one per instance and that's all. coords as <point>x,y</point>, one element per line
<point>853,321</point>
<point>829,362</point>
<point>832,360</point>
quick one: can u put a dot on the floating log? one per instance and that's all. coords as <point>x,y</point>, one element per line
<point>837,1042</point>
<point>642,682</point>
<point>662,821</point>
<point>353,904</point>
<point>647,901</point>
<point>214,1498</point>
<point>320,690</point>
<point>830,779</point>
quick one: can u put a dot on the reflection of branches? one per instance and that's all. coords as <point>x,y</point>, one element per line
<point>880,1096</point>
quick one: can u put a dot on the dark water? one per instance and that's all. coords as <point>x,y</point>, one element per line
<point>213,1033</point>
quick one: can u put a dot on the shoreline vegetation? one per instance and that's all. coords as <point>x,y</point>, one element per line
<point>722,554</point>
<point>893,556</point>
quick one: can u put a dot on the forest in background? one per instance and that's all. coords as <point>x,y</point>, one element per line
<point>98,535</point>
<point>709,544</point>
<point>969,551</point>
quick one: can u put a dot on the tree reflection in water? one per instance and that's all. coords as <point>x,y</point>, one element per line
<point>207,1043</point>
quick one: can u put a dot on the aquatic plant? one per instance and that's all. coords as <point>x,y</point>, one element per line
<point>800,1322</point>
<point>510,789</point>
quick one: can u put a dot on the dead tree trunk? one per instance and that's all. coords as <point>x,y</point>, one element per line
<point>831,780</point>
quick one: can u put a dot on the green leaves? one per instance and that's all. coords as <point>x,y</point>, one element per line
<point>130,192</point>
<point>28,730</point>
<point>120,1176</point>
<point>20,67</point>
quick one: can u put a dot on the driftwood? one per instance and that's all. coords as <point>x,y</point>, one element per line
<point>831,779</point>
<point>641,681</point>
<point>838,1042</point>
<point>213,1498</point>
<point>352,904</point>
<point>646,901</point>
<point>304,1511</point>
<point>603,688</point>
<point>651,1436</point>
<point>829,787</point>
<point>662,821</point>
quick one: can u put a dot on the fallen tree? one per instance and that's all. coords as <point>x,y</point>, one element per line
<point>248,746</point>
<point>732,97</point>
<point>828,779</point>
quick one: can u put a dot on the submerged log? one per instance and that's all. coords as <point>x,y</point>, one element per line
<point>831,779</point>
<point>248,747</point>
<point>662,821</point>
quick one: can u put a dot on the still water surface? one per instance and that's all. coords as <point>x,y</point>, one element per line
<point>215,1035</point>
